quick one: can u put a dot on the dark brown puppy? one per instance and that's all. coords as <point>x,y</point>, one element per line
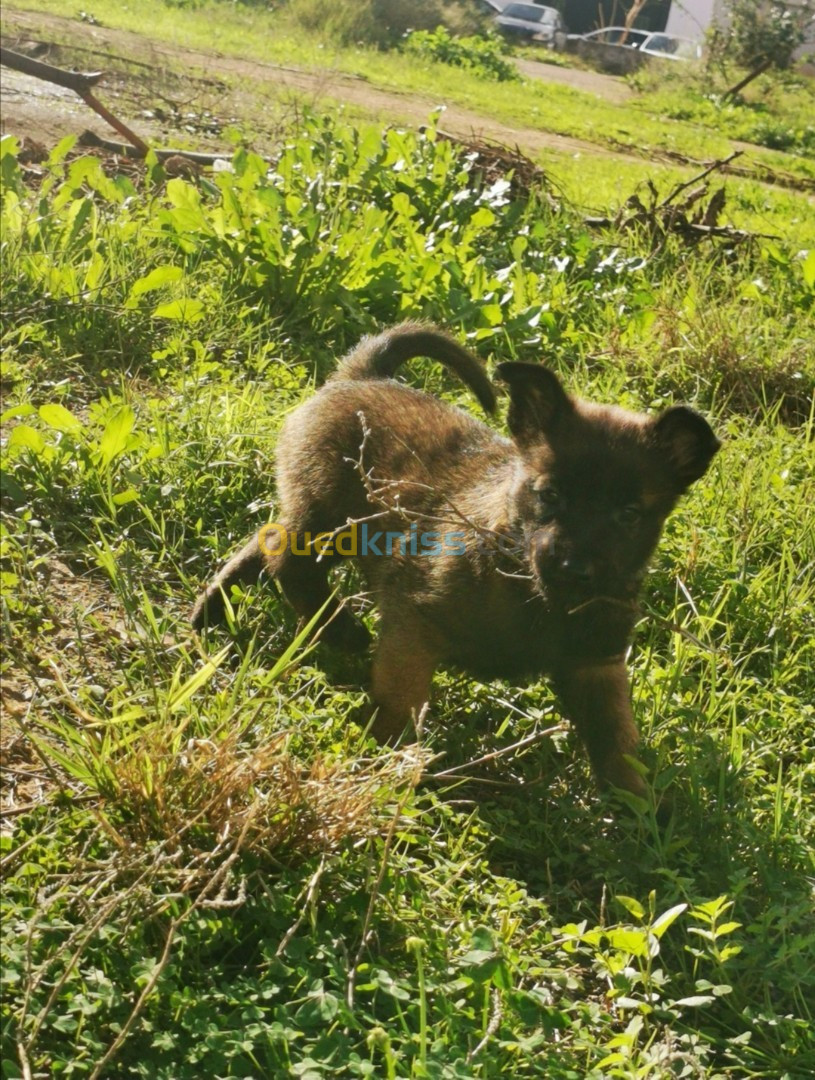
<point>507,558</point>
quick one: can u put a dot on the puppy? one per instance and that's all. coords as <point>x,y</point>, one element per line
<point>507,558</point>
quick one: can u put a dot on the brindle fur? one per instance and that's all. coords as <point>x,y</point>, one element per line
<point>578,496</point>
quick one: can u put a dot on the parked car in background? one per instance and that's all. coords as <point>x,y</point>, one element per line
<point>491,7</point>
<point>671,48</point>
<point>620,51</point>
<point>533,22</point>
<point>611,35</point>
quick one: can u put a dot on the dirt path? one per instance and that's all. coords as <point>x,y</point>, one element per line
<point>608,87</point>
<point>46,113</point>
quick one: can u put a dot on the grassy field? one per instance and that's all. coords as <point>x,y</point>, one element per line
<point>210,869</point>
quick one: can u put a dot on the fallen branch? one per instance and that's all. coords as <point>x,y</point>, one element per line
<point>80,83</point>
<point>691,228</point>
<point>715,166</point>
<point>756,170</point>
<point>72,80</point>
<point>90,138</point>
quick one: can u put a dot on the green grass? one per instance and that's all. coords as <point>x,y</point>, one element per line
<point>227,878</point>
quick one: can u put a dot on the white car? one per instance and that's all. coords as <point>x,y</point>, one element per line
<point>643,41</point>
<point>532,22</point>
<point>671,48</point>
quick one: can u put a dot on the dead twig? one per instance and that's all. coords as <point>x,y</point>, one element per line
<point>490,161</point>
<point>536,736</point>
<point>492,1026</point>
<point>714,166</point>
<point>311,892</point>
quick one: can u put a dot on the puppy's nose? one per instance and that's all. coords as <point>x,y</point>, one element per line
<point>577,570</point>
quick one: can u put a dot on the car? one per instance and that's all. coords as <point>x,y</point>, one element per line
<point>613,35</point>
<point>533,22</point>
<point>671,48</point>
<point>621,50</point>
<point>491,7</point>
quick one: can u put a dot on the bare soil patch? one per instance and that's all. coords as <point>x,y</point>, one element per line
<point>592,82</point>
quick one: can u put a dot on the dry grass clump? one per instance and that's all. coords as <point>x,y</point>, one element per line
<point>208,793</point>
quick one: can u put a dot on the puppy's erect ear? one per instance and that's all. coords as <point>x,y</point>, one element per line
<point>537,401</point>
<point>688,440</point>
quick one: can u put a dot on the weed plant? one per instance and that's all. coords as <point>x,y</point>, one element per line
<point>485,56</point>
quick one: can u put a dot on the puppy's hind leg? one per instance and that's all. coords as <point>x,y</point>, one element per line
<point>304,582</point>
<point>305,585</point>
<point>242,569</point>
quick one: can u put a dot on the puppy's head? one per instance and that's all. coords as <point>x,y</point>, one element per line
<point>595,483</point>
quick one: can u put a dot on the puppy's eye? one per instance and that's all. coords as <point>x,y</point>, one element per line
<point>549,499</point>
<point>628,515</point>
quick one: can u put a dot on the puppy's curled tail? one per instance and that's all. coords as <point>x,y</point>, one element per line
<point>378,357</point>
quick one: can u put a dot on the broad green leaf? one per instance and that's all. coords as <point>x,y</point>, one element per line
<point>59,418</point>
<point>320,1008</point>
<point>156,279</point>
<point>501,977</point>
<point>519,246</point>
<point>666,919</point>
<point>728,951</point>
<point>482,218</point>
<point>727,928</point>
<point>631,941</point>
<point>12,213</point>
<point>182,194</point>
<point>23,435</point>
<point>634,907</point>
<point>184,310</point>
<point>610,1059</point>
<point>9,144</point>
<point>15,411</point>
<point>386,983</point>
<point>712,909</point>
<point>492,314</point>
<point>624,1002</point>
<point>79,212</point>
<point>95,272</point>
<point>402,205</point>
<point>62,149</point>
<point>114,438</point>
<point>8,581</point>
<point>482,961</point>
